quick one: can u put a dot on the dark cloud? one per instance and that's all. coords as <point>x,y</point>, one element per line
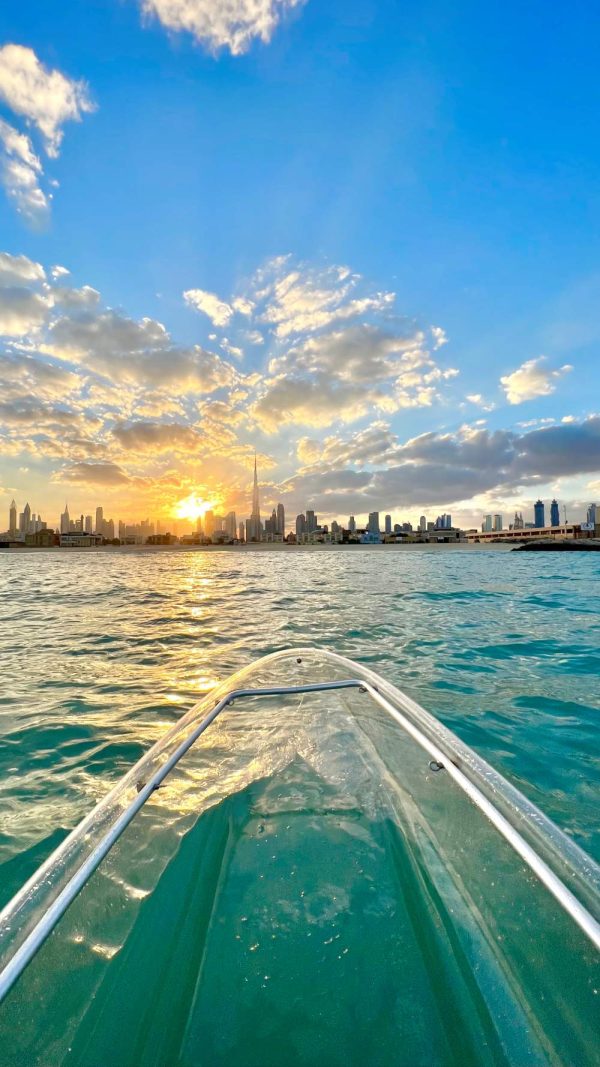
<point>93,473</point>
<point>156,437</point>
<point>439,469</point>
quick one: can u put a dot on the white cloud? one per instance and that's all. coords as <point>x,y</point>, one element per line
<point>532,379</point>
<point>85,297</point>
<point>218,311</point>
<point>360,353</point>
<point>340,348</point>
<point>46,98</point>
<point>232,24</point>
<point>20,171</point>
<point>306,299</point>
<point>141,353</point>
<point>317,401</point>
<point>21,311</point>
<point>15,270</point>
<point>439,336</point>
<point>375,444</point>
<point>480,401</point>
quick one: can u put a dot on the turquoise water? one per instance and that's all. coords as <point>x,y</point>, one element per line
<point>101,652</point>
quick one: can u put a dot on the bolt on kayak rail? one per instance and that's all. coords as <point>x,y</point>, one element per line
<point>440,761</point>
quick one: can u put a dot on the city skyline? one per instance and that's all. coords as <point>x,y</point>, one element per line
<point>391,300</point>
<point>305,522</point>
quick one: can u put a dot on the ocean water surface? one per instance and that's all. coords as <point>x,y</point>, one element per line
<point>101,652</point>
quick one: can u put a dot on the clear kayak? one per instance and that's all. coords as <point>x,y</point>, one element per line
<point>307,869</point>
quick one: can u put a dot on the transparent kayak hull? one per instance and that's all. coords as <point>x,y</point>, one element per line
<point>322,876</point>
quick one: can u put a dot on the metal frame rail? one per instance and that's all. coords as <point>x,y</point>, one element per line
<point>44,927</point>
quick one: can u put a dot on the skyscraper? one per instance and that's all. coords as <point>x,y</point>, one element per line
<point>488,524</point>
<point>352,524</point>
<point>554,514</point>
<point>539,513</point>
<point>591,514</point>
<point>281,519</point>
<point>497,522</point>
<point>388,524</point>
<point>230,525</point>
<point>25,520</point>
<point>65,522</point>
<point>311,522</point>
<point>253,525</point>
<point>209,523</point>
<point>373,523</point>
<point>12,521</point>
<point>423,524</point>
<point>88,524</point>
<point>300,526</point>
<point>271,524</point>
<point>100,521</point>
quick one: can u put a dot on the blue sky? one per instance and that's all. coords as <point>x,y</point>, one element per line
<point>445,154</point>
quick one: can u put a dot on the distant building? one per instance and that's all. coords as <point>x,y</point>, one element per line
<point>25,521</point>
<point>592,513</point>
<point>518,523</point>
<point>242,531</point>
<point>281,520</point>
<point>488,524</point>
<point>388,524</point>
<point>352,524</point>
<point>311,522</point>
<point>12,520</point>
<point>79,540</point>
<point>300,526</point>
<point>271,525</point>
<point>100,521</point>
<point>497,522</point>
<point>209,522</point>
<point>373,523</point>
<point>65,521</point>
<point>539,513</point>
<point>41,539</point>
<point>564,531</point>
<point>231,525</point>
<point>554,514</point>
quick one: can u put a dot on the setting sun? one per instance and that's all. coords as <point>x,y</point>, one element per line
<point>192,507</point>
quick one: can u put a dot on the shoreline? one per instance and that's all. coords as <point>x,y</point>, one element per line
<point>273,546</point>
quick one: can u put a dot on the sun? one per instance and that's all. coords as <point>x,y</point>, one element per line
<point>193,507</point>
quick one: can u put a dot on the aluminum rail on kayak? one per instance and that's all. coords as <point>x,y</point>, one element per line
<point>440,760</point>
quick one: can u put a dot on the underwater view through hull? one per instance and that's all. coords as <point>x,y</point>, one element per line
<point>307,886</point>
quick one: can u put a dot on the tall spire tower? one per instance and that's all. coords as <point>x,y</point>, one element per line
<point>254,530</point>
<point>255,499</point>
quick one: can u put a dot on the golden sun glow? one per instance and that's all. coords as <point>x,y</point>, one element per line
<point>192,507</point>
